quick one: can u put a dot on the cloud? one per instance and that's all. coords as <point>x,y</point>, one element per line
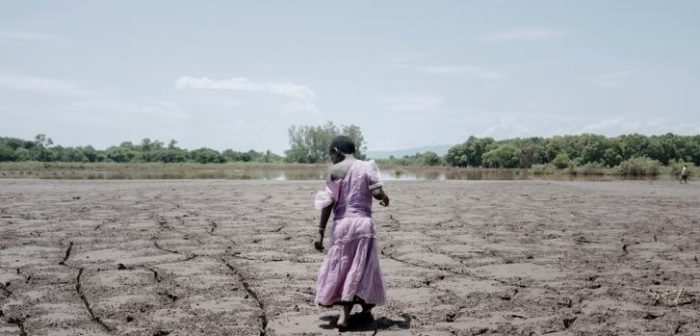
<point>120,107</point>
<point>508,127</point>
<point>521,35</point>
<point>657,125</point>
<point>295,106</point>
<point>469,71</point>
<point>7,37</point>
<point>613,79</point>
<point>42,85</point>
<point>289,89</point>
<point>67,96</point>
<point>421,102</point>
<point>603,125</point>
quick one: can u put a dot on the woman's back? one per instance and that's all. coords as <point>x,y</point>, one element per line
<point>354,197</point>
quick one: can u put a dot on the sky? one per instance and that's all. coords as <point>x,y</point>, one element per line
<point>238,74</point>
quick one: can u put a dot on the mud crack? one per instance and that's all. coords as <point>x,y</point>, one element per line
<point>156,276</point>
<point>213,226</point>
<point>5,290</point>
<point>155,243</point>
<point>625,252</point>
<point>253,294</point>
<point>443,269</point>
<point>187,256</point>
<point>81,294</point>
<point>68,251</point>
<point>169,296</point>
<point>395,224</point>
<point>19,322</point>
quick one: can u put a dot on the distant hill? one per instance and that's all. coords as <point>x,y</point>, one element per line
<point>377,154</point>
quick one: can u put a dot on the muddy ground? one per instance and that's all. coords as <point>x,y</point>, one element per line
<point>211,257</point>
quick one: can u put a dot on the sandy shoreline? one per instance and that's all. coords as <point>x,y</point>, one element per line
<point>223,257</point>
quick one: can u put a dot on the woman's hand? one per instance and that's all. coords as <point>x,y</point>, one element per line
<point>318,242</point>
<point>385,201</point>
<point>381,196</point>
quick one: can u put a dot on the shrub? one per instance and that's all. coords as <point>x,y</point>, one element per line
<point>640,166</point>
<point>543,169</point>
<point>677,166</point>
<point>574,165</point>
<point>591,168</point>
<point>561,161</point>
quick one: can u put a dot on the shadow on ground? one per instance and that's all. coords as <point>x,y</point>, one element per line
<point>360,322</point>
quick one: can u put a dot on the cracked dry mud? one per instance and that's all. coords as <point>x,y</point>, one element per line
<point>460,258</point>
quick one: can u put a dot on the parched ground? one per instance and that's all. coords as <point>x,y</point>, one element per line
<point>211,257</point>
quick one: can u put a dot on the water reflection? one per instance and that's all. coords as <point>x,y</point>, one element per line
<point>455,174</point>
<point>295,175</point>
<point>446,173</point>
<point>401,175</point>
<point>274,172</point>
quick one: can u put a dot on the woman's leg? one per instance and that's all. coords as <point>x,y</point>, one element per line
<point>345,315</point>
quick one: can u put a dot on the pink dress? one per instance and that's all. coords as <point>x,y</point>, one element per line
<point>350,271</point>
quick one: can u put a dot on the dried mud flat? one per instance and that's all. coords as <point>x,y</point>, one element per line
<point>460,258</point>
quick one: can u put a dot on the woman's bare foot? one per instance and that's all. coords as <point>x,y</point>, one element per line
<point>342,323</point>
<point>344,317</point>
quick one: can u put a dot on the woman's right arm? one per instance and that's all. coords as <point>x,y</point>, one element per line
<point>381,196</point>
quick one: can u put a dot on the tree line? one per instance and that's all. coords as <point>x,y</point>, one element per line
<point>42,149</point>
<point>574,150</point>
<point>309,144</point>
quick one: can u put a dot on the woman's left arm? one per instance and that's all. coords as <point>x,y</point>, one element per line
<point>325,215</point>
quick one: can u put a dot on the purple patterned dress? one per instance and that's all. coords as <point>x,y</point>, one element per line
<point>350,271</point>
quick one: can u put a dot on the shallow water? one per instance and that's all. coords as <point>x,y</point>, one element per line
<point>444,174</point>
<point>291,173</point>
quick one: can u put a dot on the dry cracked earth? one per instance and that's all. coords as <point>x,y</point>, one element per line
<point>209,257</point>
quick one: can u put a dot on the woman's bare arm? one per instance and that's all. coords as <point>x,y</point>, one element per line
<point>381,196</point>
<point>325,215</point>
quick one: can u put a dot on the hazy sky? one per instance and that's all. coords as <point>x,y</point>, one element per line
<point>237,74</point>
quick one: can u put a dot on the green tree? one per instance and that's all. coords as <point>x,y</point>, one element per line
<point>40,151</point>
<point>457,156</point>
<point>206,155</point>
<point>430,159</point>
<point>503,156</point>
<point>561,161</point>
<point>92,154</point>
<point>354,133</point>
<point>22,155</point>
<point>469,153</point>
<point>7,153</point>
<point>309,144</point>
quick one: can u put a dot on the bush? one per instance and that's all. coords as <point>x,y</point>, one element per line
<point>543,169</point>
<point>640,166</point>
<point>430,159</point>
<point>574,166</point>
<point>677,166</point>
<point>561,161</point>
<point>591,168</point>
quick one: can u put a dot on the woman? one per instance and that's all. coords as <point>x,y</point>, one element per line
<point>350,273</point>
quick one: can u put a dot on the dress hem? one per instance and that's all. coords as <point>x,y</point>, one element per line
<point>357,300</point>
